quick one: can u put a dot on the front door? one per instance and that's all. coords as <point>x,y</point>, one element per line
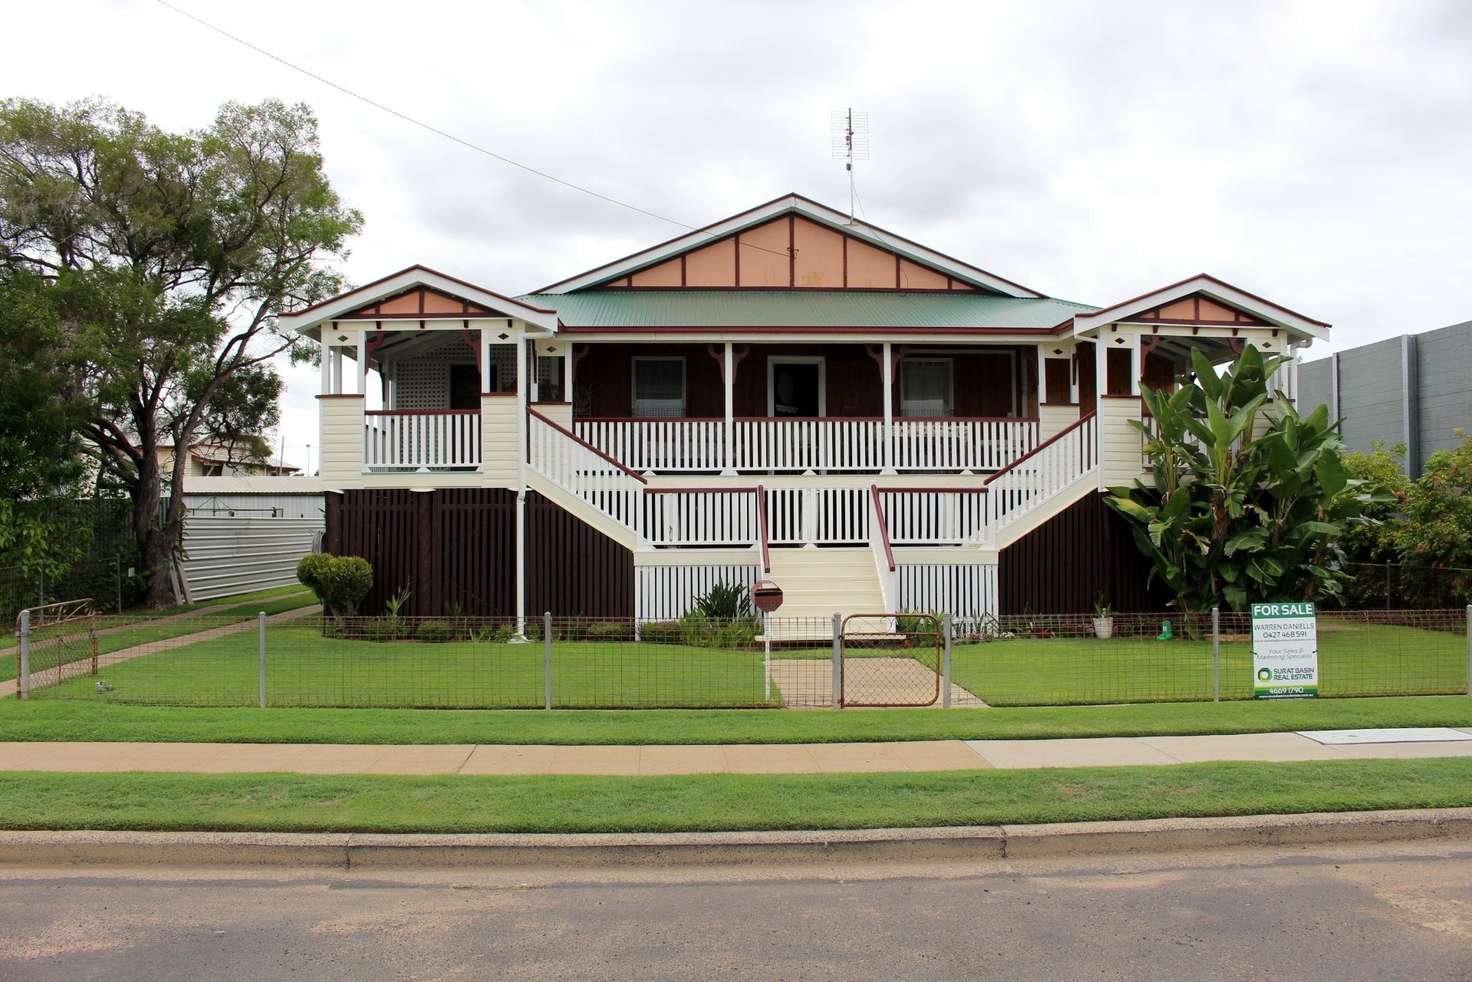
<point>795,388</point>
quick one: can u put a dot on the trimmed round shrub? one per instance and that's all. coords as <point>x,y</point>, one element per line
<point>661,632</point>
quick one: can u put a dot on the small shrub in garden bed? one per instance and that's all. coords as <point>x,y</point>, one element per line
<point>438,632</point>
<point>661,632</point>
<point>609,631</point>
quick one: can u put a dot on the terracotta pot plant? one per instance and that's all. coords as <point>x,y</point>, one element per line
<point>1103,619</point>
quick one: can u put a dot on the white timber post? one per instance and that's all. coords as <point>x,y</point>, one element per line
<point>887,374</point>
<point>567,379</point>
<point>1042,379</point>
<point>336,370</point>
<point>326,362</point>
<point>729,432</point>
<point>485,359</point>
<point>1101,386</point>
<point>362,389</point>
<point>521,435</point>
<point>1137,364</point>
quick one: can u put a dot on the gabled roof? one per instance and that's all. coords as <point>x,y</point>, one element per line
<point>394,285</point>
<point>1163,306</point>
<point>816,310</point>
<point>806,207</point>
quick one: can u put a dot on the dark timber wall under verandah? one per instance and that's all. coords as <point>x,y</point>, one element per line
<point>458,547</point>
<point>1061,566</point>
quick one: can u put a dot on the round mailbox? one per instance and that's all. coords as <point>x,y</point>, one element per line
<point>766,595</point>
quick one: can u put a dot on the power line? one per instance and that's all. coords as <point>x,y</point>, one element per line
<point>420,123</point>
<point>413,121</point>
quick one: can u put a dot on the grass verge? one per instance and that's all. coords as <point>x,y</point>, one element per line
<point>305,803</point>
<point>63,720</point>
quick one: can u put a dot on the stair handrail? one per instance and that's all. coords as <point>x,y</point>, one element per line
<point>587,446</point>
<point>761,523</point>
<point>882,521</point>
<point>1041,447</point>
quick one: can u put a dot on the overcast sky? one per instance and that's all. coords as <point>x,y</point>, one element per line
<point>1318,154</point>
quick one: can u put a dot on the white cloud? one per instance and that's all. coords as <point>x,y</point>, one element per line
<point>1317,152</point>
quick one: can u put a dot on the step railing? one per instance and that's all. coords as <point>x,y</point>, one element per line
<point>1032,479</point>
<point>421,440</point>
<point>882,549</point>
<point>584,471</point>
<point>713,517</point>
<point>818,516</point>
<point>933,516</point>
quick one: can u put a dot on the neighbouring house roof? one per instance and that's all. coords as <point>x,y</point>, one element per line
<point>963,273</point>
<point>806,310</point>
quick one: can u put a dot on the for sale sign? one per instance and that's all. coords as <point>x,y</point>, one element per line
<point>1285,651</point>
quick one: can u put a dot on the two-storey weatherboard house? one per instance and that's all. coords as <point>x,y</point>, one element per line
<point>786,394</point>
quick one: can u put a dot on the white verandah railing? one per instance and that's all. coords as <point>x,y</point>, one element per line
<point>827,443</point>
<point>1030,480</point>
<point>441,439</point>
<point>557,454</point>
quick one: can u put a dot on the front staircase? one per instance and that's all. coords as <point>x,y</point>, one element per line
<point>816,583</point>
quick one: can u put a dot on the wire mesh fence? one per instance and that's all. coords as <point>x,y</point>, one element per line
<point>885,659</point>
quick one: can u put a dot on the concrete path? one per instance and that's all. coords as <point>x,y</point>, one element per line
<point>54,675</point>
<point>805,758</point>
<point>807,683</point>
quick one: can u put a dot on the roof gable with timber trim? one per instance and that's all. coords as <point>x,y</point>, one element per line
<point>417,293</point>
<point>791,242</point>
<point>1201,301</point>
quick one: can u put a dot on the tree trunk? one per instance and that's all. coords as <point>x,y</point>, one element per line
<point>155,553</point>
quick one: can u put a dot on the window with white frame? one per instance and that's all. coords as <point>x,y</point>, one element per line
<point>659,387</point>
<point>926,387</point>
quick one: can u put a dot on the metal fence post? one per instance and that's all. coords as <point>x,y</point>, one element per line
<point>261,655</point>
<point>837,661</point>
<point>117,568</point>
<point>945,698</point>
<point>1216,654</point>
<point>546,659</point>
<point>1469,649</point>
<point>23,676</point>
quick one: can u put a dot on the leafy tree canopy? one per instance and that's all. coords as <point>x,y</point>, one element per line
<point>1251,500</point>
<point>170,255</point>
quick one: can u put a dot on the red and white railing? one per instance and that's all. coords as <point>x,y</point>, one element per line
<point>882,549</point>
<point>961,443</point>
<point>933,516</point>
<point>829,443</point>
<point>818,516</point>
<point>1030,480</point>
<point>663,445</point>
<point>585,471</point>
<point>421,440</point>
<point>703,516</point>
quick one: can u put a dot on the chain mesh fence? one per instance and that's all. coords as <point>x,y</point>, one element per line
<point>893,659</point>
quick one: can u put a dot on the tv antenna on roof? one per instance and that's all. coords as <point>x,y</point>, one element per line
<point>850,142</point>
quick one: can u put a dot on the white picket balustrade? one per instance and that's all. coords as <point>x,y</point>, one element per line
<point>446,439</point>
<point>826,443</point>
<point>929,516</point>
<point>660,445</point>
<point>961,443</point>
<point>1031,480</point>
<point>818,516</point>
<point>700,517</point>
<point>557,454</point>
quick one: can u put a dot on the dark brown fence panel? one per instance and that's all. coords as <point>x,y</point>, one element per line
<point>574,570</point>
<point>1061,566</point>
<point>455,549</point>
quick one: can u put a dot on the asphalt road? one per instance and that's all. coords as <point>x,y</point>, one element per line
<point>1382,912</point>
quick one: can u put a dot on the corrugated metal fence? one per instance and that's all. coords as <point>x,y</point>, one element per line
<point>224,556</point>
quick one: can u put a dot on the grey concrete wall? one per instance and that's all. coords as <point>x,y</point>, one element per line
<point>1371,399</point>
<point>1444,363</point>
<point>1315,386</point>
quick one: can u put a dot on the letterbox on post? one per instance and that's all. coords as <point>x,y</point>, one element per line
<point>766,595</point>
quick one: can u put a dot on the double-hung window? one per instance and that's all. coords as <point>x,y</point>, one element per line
<point>659,387</point>
<point>926,387</point>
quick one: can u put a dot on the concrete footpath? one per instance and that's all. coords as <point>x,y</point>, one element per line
<point>808,758</point>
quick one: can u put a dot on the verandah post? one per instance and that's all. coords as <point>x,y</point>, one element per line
<point>728,373</point>
<point>887,374</point>
<point>1216,655</point>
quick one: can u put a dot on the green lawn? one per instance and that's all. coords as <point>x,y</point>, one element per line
<point>62,644</point>
<point>40,719</point>
<point>307,803</point>
<point>1354,660</point>
<point>306,669</point>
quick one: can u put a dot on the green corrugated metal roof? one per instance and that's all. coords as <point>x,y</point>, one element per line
<point>625,308</point>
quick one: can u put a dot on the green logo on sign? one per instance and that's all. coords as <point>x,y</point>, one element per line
<point>1264,674</point>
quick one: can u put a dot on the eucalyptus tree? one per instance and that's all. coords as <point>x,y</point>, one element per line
<point>1251,499</point>
<point>171,254</point>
